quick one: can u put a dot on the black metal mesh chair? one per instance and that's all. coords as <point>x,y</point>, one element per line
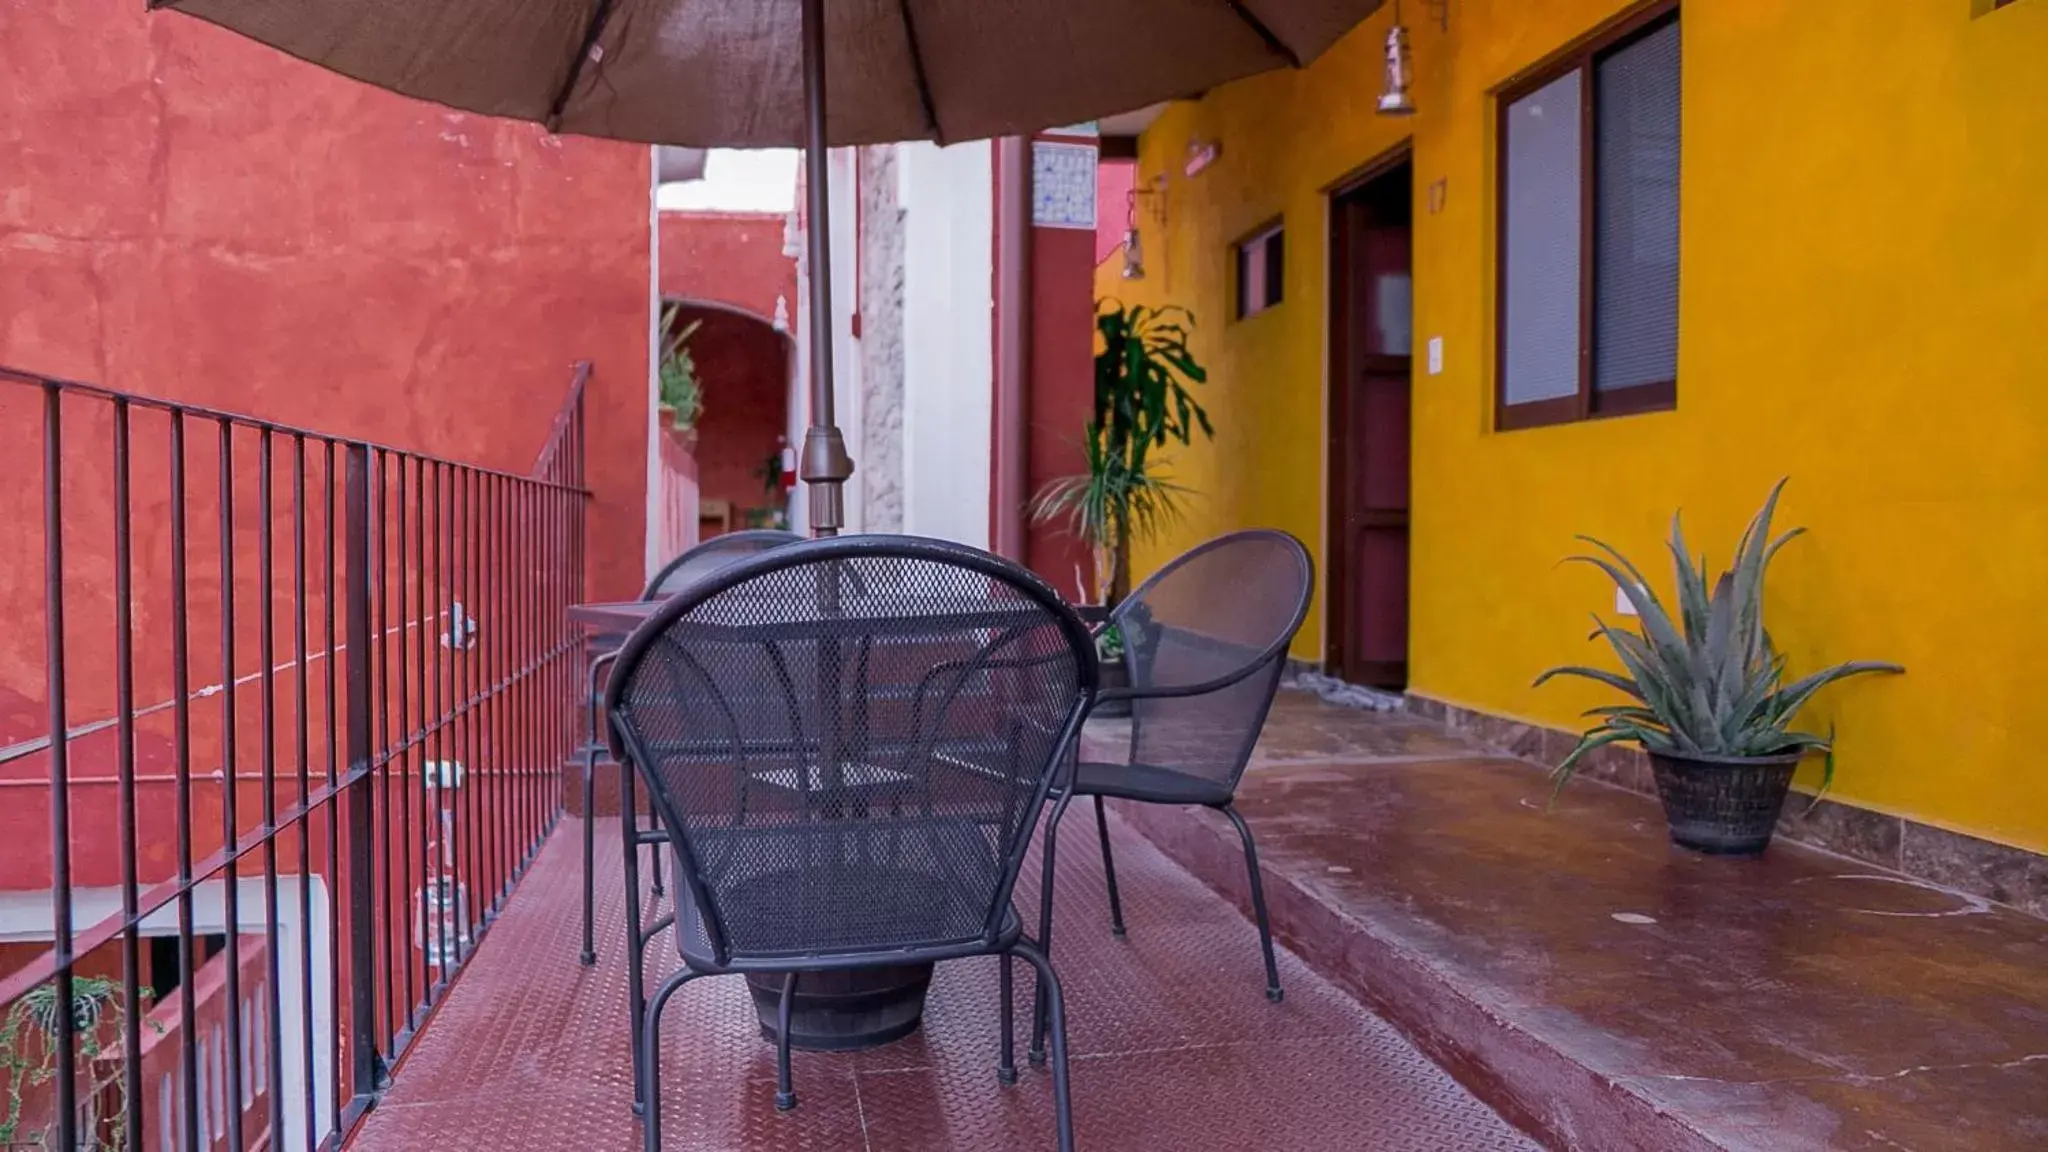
<point>1205,643</point>
<point>849,743</point>
<point>693,564</point>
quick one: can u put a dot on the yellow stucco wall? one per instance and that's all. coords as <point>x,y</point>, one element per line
<point>1863,307</point>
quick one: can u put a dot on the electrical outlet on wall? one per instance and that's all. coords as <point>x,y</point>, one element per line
<point>1436,355</point>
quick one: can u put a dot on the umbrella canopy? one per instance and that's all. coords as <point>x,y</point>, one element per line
<point>729,73</point>
<point>753,74</point>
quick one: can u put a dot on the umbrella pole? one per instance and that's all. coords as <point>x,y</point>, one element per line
<point>825,464</point>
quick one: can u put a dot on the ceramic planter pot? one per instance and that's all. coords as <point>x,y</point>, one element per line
<point>845,1011</point>
<point>1723,806</point>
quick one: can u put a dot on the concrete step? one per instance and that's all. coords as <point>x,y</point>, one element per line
<point>1605,990</point>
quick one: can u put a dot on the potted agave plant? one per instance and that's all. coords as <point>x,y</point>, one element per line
<point>1707,697</point>
<point>1143,367</point>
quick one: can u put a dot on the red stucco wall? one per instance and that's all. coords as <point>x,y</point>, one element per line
<point>184,213</point>
<point>729,258</point>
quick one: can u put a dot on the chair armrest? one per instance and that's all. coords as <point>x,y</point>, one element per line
<point>1178,691</point>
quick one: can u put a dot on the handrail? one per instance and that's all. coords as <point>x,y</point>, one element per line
<point>26,378</point>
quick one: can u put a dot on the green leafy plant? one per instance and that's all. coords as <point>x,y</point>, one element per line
<point>1709,683</point>
<point>28,1059</point>
<point>680,388</point>
<point>1143,368</point>
<point>1109,644</point>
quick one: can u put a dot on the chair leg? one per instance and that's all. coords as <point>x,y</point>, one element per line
<point>636,998</point>
<point>647,1076</point>
<point>1116,904</point>
<point>1006,1064</point>
<point>1251,861</point>
<point>785,1093</point>
<point>659,890</point>
<point>1049,981</point>
<point>1036,1054</point>
<point>589,955</point>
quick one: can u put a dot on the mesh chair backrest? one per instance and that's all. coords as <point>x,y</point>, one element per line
<point>850,741</point>
<point>1224,612</point>
<point>713,554</point>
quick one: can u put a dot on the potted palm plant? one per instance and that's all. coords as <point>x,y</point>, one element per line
<point>1143,368</point>
<point>1707,697</point>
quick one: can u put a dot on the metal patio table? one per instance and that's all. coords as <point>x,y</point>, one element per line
<point>856,1009</point>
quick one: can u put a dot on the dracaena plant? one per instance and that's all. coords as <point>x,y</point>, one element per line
<point>1143,367</point>
<point>1707,682</point>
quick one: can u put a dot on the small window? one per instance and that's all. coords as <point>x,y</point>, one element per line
<point>1589,231</point>
<point>1261,270</point>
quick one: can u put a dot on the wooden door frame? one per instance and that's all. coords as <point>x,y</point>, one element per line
<point>1337,393</point>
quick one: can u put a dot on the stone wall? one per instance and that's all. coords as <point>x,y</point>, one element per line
<point>880,305</point>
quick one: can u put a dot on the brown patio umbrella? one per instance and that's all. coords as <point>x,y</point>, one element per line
<point>752,74</point>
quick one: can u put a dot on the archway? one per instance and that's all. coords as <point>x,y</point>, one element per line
<point>742,363</point>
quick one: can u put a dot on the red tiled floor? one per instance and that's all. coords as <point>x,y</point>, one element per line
<point>1175,1045</point>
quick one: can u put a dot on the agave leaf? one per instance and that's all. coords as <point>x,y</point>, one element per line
<point>1610,679</point>
<point>1692,583</point>
<point>1656,623</point>
<point>1631,713</point>
<point>1827,769</point>
<point>1722,654</point>
<point>1782,705</point>
<point>1751,556</point>
<point>1742,714</point>
<point>1672,702</point>
<point>1597,738</point>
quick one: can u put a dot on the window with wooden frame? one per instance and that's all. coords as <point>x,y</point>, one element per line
<point>1588,230</point>
<point>1261,269</point>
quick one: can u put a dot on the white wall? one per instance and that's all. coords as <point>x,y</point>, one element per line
<point>303,946</point>
<point>845,350</point>
<point>948,338</point>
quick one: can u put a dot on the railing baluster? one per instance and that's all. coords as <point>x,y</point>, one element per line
<point>361,831</point>
<point>465,701</point>
<point>302,760</point>
<point>124,713</point>
<point>444,825</point>
<point>331,530</point>
<point>403,759</point>
<point>380,697</point>
<point>60,764</point>
<point>273,1052</point>
<point>231,897</point>
<point>181,719</point>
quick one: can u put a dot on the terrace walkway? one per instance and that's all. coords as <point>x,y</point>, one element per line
<point>1175,1045</point>
<point>1610,991</point>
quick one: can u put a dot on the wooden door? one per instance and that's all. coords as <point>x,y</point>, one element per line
<point>1372,335</point>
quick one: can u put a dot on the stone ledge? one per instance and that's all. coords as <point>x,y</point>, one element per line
<point>1603,989</point>
<point>1984,868</point>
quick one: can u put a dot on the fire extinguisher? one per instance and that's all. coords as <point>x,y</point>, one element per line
<point>788,465</point>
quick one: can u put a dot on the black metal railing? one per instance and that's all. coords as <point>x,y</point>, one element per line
<point>281,720</point>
